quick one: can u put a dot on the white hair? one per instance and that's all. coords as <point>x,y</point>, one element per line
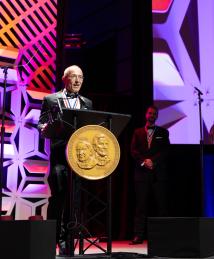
<point>68,70</point>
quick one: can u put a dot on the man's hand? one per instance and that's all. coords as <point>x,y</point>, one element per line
<point>148,163</point>
<point>44,128</point>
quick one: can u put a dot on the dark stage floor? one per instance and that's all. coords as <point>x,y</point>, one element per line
<point>121,250</point>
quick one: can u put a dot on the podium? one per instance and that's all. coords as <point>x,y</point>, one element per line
<point>66,121</point>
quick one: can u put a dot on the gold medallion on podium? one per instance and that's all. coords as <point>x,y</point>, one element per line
<point>93,152</point>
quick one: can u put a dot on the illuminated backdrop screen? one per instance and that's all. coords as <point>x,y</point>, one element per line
<point>183,55</point>
<point>27,32</point>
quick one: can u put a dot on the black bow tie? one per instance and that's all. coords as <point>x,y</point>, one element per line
<point>72,95</point>
<point>151,127</point>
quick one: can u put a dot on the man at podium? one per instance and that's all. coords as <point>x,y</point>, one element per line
<point>68,97</point>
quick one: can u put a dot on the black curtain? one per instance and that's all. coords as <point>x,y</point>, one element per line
<point>118,50</point>
<point>116,58</point>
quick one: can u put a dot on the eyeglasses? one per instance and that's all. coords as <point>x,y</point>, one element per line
<point>79,77</point>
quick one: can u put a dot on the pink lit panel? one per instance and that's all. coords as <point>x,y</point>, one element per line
<point>28,33</point>
<point>161,6</point>
<point>36,166</point>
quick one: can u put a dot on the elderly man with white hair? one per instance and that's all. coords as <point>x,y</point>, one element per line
<point>59,169</point>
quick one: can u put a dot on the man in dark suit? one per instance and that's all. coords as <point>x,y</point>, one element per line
<point>149,149</point>
<point>69,97</point>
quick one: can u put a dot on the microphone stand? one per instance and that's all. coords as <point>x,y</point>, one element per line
<point>200,100</point>
<point>5,71</point>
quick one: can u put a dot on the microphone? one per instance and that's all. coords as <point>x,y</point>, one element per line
<point>81,98</point>
<point>47,116</point>
<point>20,69</point>
<point>6,67</point>
<point>60,107</point>
<point>198,90</point>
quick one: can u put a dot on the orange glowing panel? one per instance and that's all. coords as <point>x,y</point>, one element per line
<point>9,126</point>
<point>37,95</point>
<point>161,6</point>
<point>8,55</point>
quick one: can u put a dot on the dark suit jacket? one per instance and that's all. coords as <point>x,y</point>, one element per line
<point>50,101</point>
<point>58,143</point>
<point>157,151</point>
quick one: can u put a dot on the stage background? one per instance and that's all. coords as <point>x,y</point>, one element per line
<point>183,53</point>
<point>182,60</point>
<point>112,41</point>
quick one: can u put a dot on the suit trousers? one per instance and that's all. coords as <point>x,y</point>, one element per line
<point>58,207</point>
<point>149,188</point>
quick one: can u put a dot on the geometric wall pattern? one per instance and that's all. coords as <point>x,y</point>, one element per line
<point>28,26</point>
<point>183,59</point>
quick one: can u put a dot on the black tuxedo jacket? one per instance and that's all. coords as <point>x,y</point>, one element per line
<point>157,152</point>
<point>58,143</point>
<point>50,101</point>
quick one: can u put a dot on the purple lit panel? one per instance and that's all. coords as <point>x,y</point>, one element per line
<point>165,72</point>
<point>41,189</point>
<point>12,177</point>
<point>26,154</point>
<point>11,76</point>
<point>9,150</point>
<point>7,204</point>
<point>33,116</point>
<point>182,62</point>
